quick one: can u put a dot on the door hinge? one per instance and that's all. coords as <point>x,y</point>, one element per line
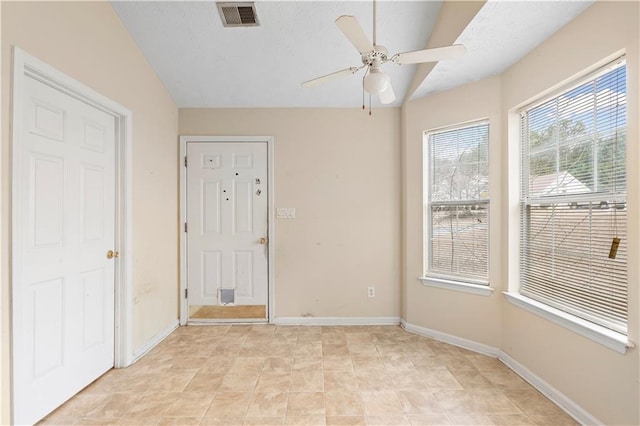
<point>186,293</point>
<point>185,161</point>
<point>185,227</point>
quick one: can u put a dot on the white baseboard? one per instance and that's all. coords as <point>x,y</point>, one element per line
<point>337,321</point>
<point>452,340</point>
<point>153,342</point>
<point>560,399</point>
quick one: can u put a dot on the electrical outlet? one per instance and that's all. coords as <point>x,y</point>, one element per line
<point>371,291</point>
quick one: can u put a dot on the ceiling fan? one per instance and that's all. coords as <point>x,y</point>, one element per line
<point>373,56</point>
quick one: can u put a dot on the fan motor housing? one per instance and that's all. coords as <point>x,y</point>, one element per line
<point>379,53</point>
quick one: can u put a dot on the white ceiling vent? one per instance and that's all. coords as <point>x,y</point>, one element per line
<point>238,14</point>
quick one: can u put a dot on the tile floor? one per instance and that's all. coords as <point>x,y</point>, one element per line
<point>290,375</point>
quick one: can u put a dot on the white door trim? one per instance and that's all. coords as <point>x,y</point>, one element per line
<point>184,305</point>
<point>24,65</point>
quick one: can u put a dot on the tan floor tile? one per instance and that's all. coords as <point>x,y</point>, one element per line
<point>182,421</point>
<point>222,421</point>
<point>306,350</point>
<point>532,402</point>
<point>229,404</point>
<point>512,420</point>
<point>92,422</point>
<point>408,381</point>
<point>305,421</point>
<point>174,381</point>
<point>363,362</point>
<point>270,404</point>
<point>117,405</point>
<point>190,404</point>
<point>470,419</point>
<point>308,364</point>
<point>204,382</point>
<point>387,420</point>
<point>264,421</point>
<point>238,382</point>
<point>493,401</point>
<point>246,364</point>
<point>455,401</point>
<point>79,406</point>
<point>273,382</point>
<point>346,421</point>
<point>440,378</point>
<point>340,381</point>
<point>57,421</point>
<point>337,363</point>
<point>351,375</point>
<point>284,350</point>
<point>152,404</point>
<point>305,404</point>
<point>419,402</point>
<point>505,379</point>
<point>137,383</point>
<point>381,403</point>
<point>429,419</point>
<point>307,381</point>
<point>144,421</point>
<point>363,349</point>
<point>333,349</point>
<point>374,380</point>
<point>343,403</point>
<point>553,419</point>
<point>278,364</point>
<point>472,380</point>
<point>359,338</point>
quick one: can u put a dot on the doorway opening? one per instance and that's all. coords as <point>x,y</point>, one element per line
<point>226,201</point>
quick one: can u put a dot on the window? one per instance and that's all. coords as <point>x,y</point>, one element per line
<point>457,204</point>
<point>573,200</point>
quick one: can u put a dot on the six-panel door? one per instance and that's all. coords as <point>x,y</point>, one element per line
<point>227,201</point>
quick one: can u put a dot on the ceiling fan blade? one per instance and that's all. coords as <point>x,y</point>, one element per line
<point>387,95</point>
<point>431,55</point>
<point>352,29</point>
<point>331,76</point>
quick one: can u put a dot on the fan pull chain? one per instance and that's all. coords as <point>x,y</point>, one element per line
<point>369,103</point>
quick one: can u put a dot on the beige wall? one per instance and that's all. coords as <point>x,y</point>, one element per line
<point>436,308</point>
<point>340,169</point>
<point>603,382</point>
<point>88,42</point>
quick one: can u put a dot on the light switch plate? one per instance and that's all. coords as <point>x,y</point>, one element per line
<point>286,213</point>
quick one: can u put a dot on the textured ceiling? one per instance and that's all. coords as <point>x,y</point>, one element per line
<point>203,64</point>
<point>500,34</point>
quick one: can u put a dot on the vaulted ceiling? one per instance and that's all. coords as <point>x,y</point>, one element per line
<point>204,64</point>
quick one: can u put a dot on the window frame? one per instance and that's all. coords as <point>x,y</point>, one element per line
<point>430,278</point>
<point>612,339</point>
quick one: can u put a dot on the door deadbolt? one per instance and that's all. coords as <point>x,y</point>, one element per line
<point>262,240</point>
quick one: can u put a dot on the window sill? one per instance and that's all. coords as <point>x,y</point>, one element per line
<point>609,338</point>
<point>479,289</point>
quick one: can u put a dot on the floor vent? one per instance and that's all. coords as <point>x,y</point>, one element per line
<point>238,14</point>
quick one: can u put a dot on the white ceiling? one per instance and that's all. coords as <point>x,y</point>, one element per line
<point>203,64</point>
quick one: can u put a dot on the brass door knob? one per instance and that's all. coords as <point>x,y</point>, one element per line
<point>111,254</point>
<point>262,240</point>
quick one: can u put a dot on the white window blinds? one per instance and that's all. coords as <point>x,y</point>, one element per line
<point>573,200</point>
<point>458,203</point>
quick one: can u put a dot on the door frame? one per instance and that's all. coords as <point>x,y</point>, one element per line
<point>25,65</point>
<point>270,141</point>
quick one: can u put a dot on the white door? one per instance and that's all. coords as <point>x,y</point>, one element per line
<point>63,283</point>
<point>227,205</point>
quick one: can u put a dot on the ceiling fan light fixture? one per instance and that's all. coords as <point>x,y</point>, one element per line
<point>376,81</point>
